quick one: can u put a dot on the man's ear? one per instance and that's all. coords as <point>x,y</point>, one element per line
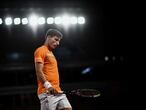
<point>46,37</point>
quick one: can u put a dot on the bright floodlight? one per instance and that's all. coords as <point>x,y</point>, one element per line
<point>8,21</point>
<point>33,20</point>
<point>73,20</point>
<point>16,21</point>
<point>24,21</point>
<point>58,20</point>
<point>41,20</point>
<point>65,20</point>
<point>50,20</point>
<point>1,21</point>
<point>81,20</point>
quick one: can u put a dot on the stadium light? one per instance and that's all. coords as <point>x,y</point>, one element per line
<point>16,21</point>
<point>50,20</point>
<point>8,21</point>
<point>81,20</point>
<point>65,20</point>
<point>41,20</point>
<point>33,20</point>
<point>24,21</point>
<point>73,20</point>
<point>1,21</point>
<point>58,20</point>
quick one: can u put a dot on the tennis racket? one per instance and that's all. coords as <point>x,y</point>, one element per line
<point>85,92</point>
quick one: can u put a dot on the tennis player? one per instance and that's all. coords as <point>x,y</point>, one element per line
<point>48,76</point>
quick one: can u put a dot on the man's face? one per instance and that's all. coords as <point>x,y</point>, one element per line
<point>53,42</point>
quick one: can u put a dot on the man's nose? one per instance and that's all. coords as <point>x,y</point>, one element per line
<point>57,43</point>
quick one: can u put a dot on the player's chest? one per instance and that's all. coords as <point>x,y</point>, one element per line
<point>50,58</point>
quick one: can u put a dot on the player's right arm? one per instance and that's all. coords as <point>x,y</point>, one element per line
<point>39,72</point>
<point>41,77</point>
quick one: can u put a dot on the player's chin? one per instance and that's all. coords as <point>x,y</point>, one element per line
<point>53,47</point>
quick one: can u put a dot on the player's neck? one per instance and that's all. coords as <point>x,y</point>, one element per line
<point>46,45</point>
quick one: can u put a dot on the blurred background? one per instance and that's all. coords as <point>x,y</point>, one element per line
<point>90,55</point>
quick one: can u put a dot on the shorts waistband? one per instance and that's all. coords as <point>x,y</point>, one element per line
<point>42,95</point>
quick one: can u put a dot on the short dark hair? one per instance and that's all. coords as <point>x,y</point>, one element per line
<point>53,32</point>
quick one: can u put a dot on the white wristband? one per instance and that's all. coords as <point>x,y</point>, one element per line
<point>47,85</point>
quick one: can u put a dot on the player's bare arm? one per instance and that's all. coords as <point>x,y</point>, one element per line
<point>39,72</point>
<point>43,80</point>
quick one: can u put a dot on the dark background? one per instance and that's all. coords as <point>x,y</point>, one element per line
<point>83,46</point>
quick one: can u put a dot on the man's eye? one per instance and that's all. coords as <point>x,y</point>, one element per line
<point>57,39</point>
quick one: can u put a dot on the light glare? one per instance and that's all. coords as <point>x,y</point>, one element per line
<point>65,20</point>
<point>1,21</point>
<point>33,20</point>
<point>41,20</point>
<point>81,20</point>
<point>24,21</point>
<point>50,20</point>
<point>16,21</point>
<point>58,20</point>
<point>8,21</point>
<point>73,20</point>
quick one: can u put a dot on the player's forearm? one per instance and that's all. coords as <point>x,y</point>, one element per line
<point>43,80</point>
<point>41,77</point>
<point>39,72</point>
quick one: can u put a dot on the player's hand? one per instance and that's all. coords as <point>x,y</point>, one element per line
<point>51,91</point>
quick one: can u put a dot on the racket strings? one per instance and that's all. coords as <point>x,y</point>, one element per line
<point>86,92</point>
